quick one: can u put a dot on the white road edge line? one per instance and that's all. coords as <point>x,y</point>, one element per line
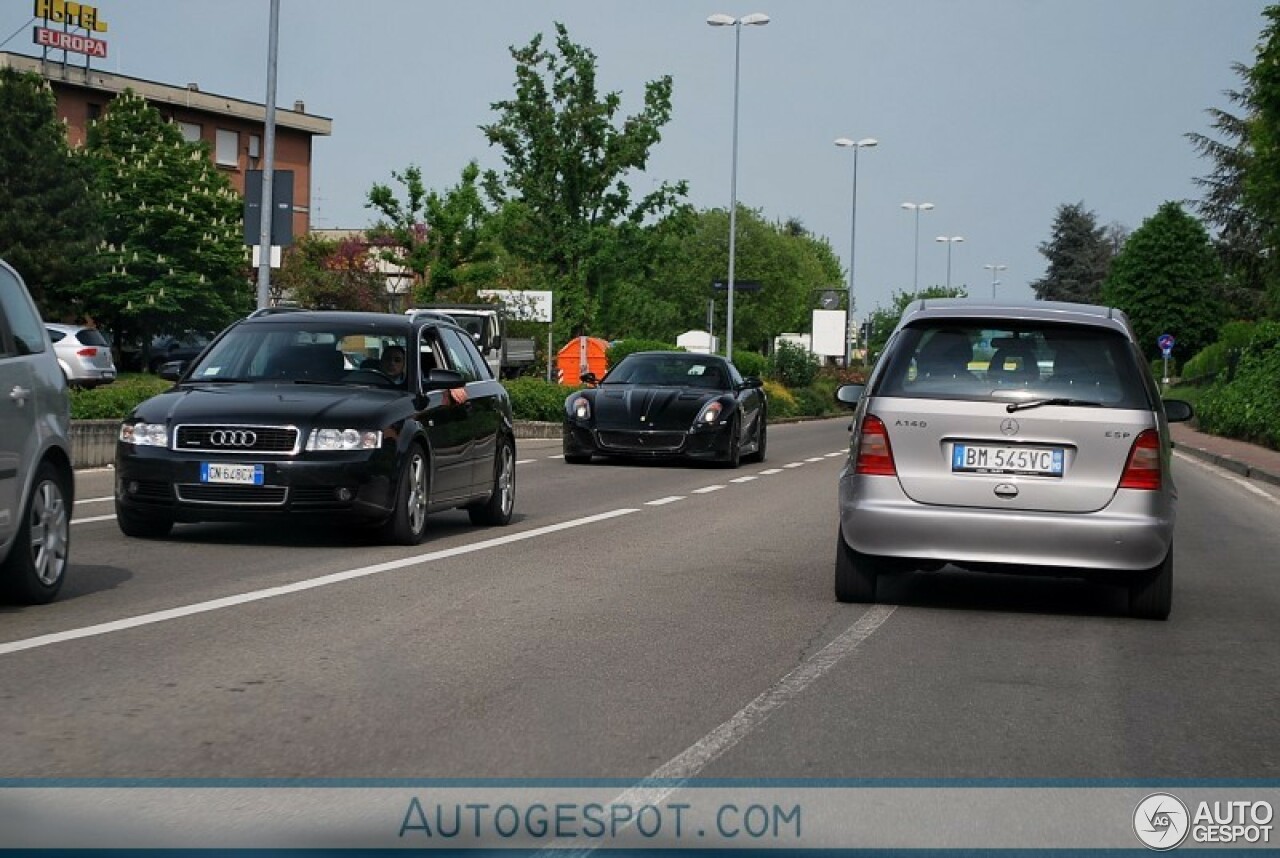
<point>93,518</point>
<point>692,760</point>
<point>297,587</point>
<point>95,500</point>
<point>1243,482</point>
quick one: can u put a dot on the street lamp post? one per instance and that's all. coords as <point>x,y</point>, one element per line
<point>994,268</point>
<point>756,19</point>
<point>855,145</point>
<point>950,240</point>
<point>917,208</point>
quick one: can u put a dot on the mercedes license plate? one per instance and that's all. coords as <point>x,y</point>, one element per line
<point>989,459</point>
<point>241,475</point>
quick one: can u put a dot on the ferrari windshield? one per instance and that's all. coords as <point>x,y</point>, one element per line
<point>678,370</point>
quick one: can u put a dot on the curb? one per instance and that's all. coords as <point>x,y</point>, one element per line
<point>1230,464</point>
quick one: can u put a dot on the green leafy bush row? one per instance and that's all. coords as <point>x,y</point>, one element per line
<point>1247,407</point>
<point>531,398</point>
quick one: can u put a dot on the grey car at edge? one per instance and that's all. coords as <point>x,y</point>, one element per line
<point>37,483</point>
<point>1015,438</point>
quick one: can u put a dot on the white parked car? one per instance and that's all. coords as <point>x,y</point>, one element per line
<point>83,353</point>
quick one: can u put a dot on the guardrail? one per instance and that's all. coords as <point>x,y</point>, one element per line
<point>93,442</point>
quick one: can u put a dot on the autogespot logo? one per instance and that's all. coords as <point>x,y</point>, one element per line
<point>1160,821</point>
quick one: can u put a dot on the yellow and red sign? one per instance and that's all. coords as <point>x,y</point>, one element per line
<point>70,14</point>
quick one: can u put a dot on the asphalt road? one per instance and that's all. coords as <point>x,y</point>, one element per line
<point>633,620</point>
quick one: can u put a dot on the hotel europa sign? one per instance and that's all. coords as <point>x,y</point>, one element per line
<point>80,16</point>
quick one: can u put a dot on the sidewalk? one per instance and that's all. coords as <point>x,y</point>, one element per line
<point>1249,460</point>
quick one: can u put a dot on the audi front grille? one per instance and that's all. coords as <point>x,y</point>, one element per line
<point>281,440</point>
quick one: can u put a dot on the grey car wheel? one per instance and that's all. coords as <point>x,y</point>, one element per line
<point>856,574</point>
<point>37,562</point>
<point>497,510</point>
<point>1151,591</point>
<point>408,522</point>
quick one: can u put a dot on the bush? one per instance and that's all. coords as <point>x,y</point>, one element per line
<point>617,351</point>
<point>781,402</point>
<point>114,401</point>
<point>751,363</point>
<point>792,365</point>
<point>1212,361</point>
<point>1246,406</point>
<point>536,399</point>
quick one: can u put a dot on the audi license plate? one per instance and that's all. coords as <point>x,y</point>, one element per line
<point>242,475</point>
<point>987,459</point>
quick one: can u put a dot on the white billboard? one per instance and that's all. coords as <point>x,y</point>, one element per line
<point>828,333</point>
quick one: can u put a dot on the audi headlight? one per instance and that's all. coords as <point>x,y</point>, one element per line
<point>343,439</point>
<point>710,414</point>
<point>581,408</point>
<point>144,434</point>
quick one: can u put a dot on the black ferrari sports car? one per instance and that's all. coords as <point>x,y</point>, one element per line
<point>668,404</point>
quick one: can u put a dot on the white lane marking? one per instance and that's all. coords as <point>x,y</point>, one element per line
<point>744,479</point>
<point>1243,482</point>
<point>297,587</point>
<point>814,459</point>
<point>525,461</point>
<point>836,453</point>
<point>772,471</point>
<point>692,760</point>
<point>557,456</point>
<point>664,501</point>
<point>794,465</point>
<point>705,489</point>
<point>92,519</point>
<point>95,500</point>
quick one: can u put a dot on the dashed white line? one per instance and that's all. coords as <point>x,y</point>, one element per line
<point>771,471</point>
<point>794,465</point>
<point>297,587</point>
<point>814,459</point>
<point>705,489</point>
<point>744,479</point>
<point>837,453</point>
<point>664,501</point>
<point>525,461</point>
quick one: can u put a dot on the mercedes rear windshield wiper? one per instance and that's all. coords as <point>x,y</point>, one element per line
<point>1056,400</point>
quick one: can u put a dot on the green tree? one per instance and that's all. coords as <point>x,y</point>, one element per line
<point>1262,167</point>
<point>1166,279</point>
<point>1240,237</point>
<point>563,190</point>
<point>48,217</point>
<point>884,319</point>
<point>1079,254</point>
<point>172,254</point>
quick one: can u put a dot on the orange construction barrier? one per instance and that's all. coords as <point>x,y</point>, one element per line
<point>583,354</point>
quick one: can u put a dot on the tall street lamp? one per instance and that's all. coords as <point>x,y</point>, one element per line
<point>855,145</point>
<point>917,208</point>
<point>756,19</point>
<point>950,240</point>
<point>993,268</point>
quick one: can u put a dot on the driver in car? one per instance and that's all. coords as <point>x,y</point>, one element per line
<point>392,363</point>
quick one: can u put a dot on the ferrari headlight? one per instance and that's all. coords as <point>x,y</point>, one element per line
<point>581,408</point>
<point>144,434</point>
<point>710,414</point>
<point>343,439</point>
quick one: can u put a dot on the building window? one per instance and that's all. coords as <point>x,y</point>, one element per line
<point>225,153</point>
<point>255,151</point>
<point>93,111</point>
<point>190,131</point>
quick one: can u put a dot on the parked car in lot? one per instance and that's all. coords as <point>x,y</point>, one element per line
<point>273,422</point>
<point>666,405</point>
<point>37,484</point>
<point>1025,439</point>
<point>83,353</point>
<point>183,348</point>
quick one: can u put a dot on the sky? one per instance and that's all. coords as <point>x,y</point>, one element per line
<point>995,111</point>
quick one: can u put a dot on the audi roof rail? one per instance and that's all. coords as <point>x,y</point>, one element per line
<point>271,311</point>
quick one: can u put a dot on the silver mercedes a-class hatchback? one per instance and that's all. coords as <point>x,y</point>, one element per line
<point>1017,438</point>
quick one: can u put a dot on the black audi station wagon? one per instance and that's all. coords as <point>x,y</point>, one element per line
<point>369,419</point>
